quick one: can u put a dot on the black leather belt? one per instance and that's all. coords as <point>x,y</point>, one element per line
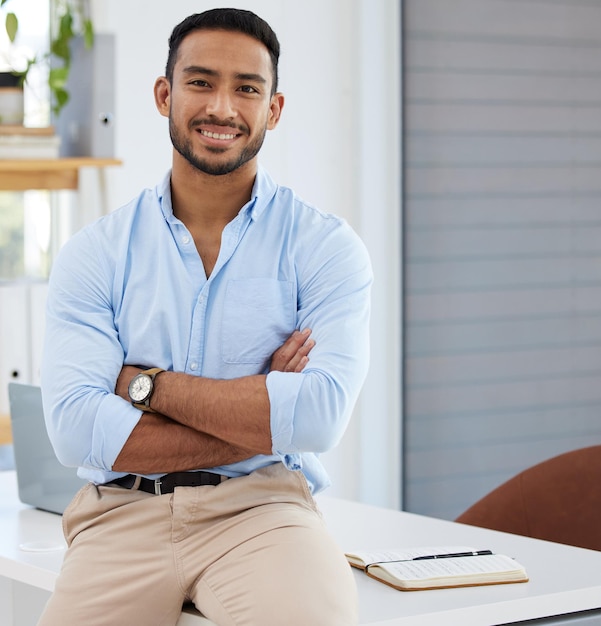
<point>168,482</point>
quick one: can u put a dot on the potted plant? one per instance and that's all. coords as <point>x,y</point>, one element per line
<point>11,99</point>
<point>68,19</point>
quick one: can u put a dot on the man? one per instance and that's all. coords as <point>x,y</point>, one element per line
<point>204,343</point>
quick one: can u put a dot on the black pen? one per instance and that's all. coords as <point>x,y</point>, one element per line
<point>449,556</point>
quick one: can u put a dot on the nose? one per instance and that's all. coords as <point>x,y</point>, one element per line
<point>220,104</point>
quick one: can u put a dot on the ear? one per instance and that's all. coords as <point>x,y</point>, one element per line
<point>162,95</point>
<point>275,110</point>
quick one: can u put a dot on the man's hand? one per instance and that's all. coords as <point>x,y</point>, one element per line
<point>293,355</point>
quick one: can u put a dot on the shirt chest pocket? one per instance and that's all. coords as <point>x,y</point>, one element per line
<point>258,316</point>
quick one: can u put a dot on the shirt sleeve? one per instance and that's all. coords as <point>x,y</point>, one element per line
<point>87,423</point>
<point>310,410</point>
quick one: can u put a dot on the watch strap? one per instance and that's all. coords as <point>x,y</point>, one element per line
<point>152,372</point>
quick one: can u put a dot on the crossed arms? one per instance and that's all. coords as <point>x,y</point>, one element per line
<point>194,422</point>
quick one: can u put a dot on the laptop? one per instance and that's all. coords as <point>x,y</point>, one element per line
<point>42,481</point>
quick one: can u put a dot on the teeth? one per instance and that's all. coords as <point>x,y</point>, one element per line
<point>216,135</point>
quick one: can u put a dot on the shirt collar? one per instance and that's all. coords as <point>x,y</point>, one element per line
<point>263,191</point>
<point>163,191</point>
<point>262,194</point>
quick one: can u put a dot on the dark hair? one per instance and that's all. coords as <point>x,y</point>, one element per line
<point>237,20</point>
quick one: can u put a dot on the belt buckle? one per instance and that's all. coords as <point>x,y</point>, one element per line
<point>157,487</point>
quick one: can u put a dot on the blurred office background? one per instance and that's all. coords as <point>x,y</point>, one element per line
<point>462,140</point>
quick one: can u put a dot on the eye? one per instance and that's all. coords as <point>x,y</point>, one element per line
<point>199,82</point>
<point>248,89</point>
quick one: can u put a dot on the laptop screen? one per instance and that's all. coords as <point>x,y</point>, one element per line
<point>42,481</point>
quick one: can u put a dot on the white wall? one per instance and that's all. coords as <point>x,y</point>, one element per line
<point>338,146</point>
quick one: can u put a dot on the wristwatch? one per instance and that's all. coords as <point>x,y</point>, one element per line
<point>141,387</point>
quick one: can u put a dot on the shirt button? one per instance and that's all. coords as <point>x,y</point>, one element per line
<point>193,366</point>
<point>185,240</point>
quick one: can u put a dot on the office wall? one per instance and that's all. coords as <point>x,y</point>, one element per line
<point>21,330</point>
<point>15,361</point>
<point>337,145</point>
<point>503,241</point>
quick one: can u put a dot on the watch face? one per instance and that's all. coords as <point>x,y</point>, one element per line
<point>140,387</point>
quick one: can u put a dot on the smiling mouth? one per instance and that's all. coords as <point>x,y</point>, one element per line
<point>222,136</point>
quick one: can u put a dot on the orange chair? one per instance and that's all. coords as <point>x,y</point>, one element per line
<point>557,500</point>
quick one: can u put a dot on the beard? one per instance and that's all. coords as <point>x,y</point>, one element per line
<point>184,146</point>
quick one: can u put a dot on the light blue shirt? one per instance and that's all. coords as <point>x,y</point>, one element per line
<point>131,289</point>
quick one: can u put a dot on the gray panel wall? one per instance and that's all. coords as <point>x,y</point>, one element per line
<point>502,261</point>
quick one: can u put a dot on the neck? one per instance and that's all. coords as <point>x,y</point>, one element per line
<point>205,201</point>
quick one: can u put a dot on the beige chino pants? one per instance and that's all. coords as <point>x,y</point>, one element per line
<point>251,551</point>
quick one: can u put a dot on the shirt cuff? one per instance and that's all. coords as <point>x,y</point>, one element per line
<point>283,389</point>
<point>110,434</point>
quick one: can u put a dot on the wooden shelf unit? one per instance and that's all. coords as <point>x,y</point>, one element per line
<point>62,173</point>
<point>5,430</point>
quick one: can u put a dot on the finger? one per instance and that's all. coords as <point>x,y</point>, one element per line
<point>287,357</point>
<point>305,348</point>
<point>297,339</point>
<point>298,361</point>
<point>289,348</point>
<point>301,365</point>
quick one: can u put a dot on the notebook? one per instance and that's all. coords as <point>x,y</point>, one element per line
<point>42,481</point>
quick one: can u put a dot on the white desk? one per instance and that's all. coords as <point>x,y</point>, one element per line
<point>564,581</point>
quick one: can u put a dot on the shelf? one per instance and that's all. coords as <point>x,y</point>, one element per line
<point>5,430</point>
<point>63,173</point>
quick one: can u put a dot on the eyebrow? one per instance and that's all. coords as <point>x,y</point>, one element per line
<point>197,69</point>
